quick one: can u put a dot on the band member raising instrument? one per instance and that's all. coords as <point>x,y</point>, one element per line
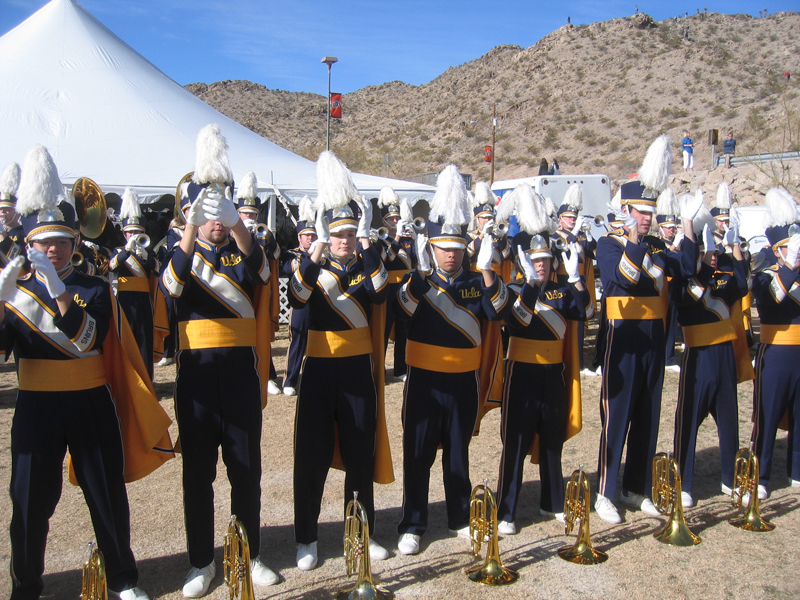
<point>666,210</point>
<point>338,398</point>
<point>212,275</point>
<point>541,391</point>
<point>11,233</point>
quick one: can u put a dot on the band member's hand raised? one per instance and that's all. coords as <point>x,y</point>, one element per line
<point>8,279</point>
<point>43,266</point>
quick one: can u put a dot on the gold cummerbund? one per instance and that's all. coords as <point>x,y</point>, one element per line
<point>442,359</point>
<point>217,333</point>
<point>397,276</point>
<point>339,344</point>
<point>133,284</point>
<point>642,308</point>
<point>709,334</point>
<point>783,335</point>
<point>537,352</point>
<point>71,375</point>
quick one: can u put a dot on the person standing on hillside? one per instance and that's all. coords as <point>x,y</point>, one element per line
<point>729,147</point>
<point>688,152</point>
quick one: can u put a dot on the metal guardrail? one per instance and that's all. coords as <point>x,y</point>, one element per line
<point>758,158</point>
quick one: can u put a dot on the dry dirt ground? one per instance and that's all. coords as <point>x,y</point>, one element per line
<point>729,563</point>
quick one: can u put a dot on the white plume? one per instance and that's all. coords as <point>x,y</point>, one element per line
<point>335,187</point>
<point>530,208</point>
<point>703,218</point>
<point>484,195</point>
<point>450,202</point>
<point>616,202</point>
<point>667,205</point>
<point>723,195</point>
<point>130,204</point>
<point>248,188</point>
<point>574,197</point>
<point>387,197</point>
<point>39,185</point>
<point>405,210</point>
<point>306,212</point>
<point>550,207</point>
<point>781,208</point>
<point>9,180</point>
<point>211,163</point>
<point>654,173</point>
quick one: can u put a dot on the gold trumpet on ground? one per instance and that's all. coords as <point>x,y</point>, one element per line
<point>745,481</point>
<point>356,554</point>
<point>93,585</point>
<point>577,504</point>
<point>236,561</point>
<point>481,504</point>
<point>667,499</point>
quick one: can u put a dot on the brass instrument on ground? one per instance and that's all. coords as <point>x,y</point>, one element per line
<point>90,207</point>
<point>667,499</point>
<point>745,481</point>
<point>577,504</point>
<point>236,562</point>
<point>93,585</point>
<point>420,225</point>
<point>480,526</point>
<point>356,554</point>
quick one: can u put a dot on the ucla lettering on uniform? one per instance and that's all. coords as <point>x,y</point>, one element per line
<point>79,301</point>
<point>554,295</point>
<point>230,261</point>
<point>87,335</point>
<point>470,293</point>
<point>356,280</point>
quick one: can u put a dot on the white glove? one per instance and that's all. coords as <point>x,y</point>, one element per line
<point>676,243</point>
<point>691,206</point>
<point>250,224</point>
<point>484,260</point>
<point>576,230</point>
<point>630,222</point>
<point>423,258</point>
<point>404,227</point>
<point>527,266</point>
<point>322,229</point>
<point>709,242</point>
<point>619,214</point>
<point>196,215</point>
<point>141,252</point>
<point>365,219</point>
<point>8,279</point>
<point>487,228</point>
<point>572,263</point>
<point>792,250</point>
<point>219,208</point>
<point>40,262</point>
<point>731,237</point>
<point>130,245</point>
<point>733,223</point>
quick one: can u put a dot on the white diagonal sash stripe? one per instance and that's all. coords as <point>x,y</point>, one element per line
<point>135,267</point>
<point>223,288</point>
<point>551,317</point>
<point>716,305</point>
<point>461,318</point>
<point>794,292</point>
<point>522,313</point>
<point>342,303</point>
<point>775,285</point>
<point>654,271</point>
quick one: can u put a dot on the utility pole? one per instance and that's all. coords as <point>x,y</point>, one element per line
<point>494,128</point>
<point>329,60</point>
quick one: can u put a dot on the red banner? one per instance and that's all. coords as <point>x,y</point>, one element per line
<point>487,154</point>
<point>336,106</point>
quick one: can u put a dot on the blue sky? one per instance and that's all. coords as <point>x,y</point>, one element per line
<point>279,43</point>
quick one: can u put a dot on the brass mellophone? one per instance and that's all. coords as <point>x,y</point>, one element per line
<point>483,524</point>
<point>667,499</point>
<point>236,562</point>
<point>577,505</point>
<point>93,584</point>
<point>745,484</point>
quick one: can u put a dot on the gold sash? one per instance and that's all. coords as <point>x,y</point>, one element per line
<point>709,334</point>
<point>329,344</point>
<point>440,358</point>
<point>133,284</point>
<point>537,352</point>
<point>635,307</point>
<point>217,333</point>
<point>71,375</point>
<point>782,335</point>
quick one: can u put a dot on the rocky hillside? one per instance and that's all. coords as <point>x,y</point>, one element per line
<point>593,97</point>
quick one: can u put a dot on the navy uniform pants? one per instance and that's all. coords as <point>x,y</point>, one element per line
<point>630,403</point>
<point>45,425</point>
<point>139,311</point>
<point>438,409</point>
<point>297,346</point>
<point>673,328</point>
<point>337,400</point>
<point>218,403</point>
<point>534,403</point>
<point>776,390</point>
<point>707,386</point>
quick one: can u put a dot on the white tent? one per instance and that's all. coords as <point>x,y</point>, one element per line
<point>105,112</point>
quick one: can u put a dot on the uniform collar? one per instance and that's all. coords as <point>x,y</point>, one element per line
<point>450,279</point>
<point>342,266</point>
<point>212,247</point>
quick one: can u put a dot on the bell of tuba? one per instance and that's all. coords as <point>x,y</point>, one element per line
<point>745,482</point>
<point>93,585</point>
<point>236,562</point>
<point>481,504</point>
<point>356,554</point>
<point>90,207</point>
<point>667,499</point>
<point>577,504</point>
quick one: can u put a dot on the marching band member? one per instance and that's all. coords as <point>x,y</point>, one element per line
<point>298,317</point>
<point>776,291</point>
<point>340,396</point>
<point>716,356</point>
<point>722,211</point>
<point>70,344</point>
<point>484,210</point>
<point>11,232</point>
<point>633,267</point>
<point>444,307</point>
<point>666,209</point>
<point>212,275</point>
<point>133,265</point>
<point>539,388</point>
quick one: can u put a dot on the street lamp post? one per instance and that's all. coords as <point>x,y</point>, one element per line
<point>329,60</point>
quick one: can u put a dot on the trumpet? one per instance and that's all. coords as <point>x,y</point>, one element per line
<point>577,504</point>
<point>492,572</point>
<point>420,225</point>
<point>93,584</point>
<point>667,499</point>
<point>745,482</point>
<point>76,260</point>
<point>383,233</point>
<point>356,554</point>
<point>236,562</point>
<point>499,230</point>
<point>744,246</point>
<point>142,240</point>
<point>560,244</point>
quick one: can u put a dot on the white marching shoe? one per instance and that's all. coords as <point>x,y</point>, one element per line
<point>507,528</point>
<point>262,574</point>
<point>165,362</point>
<point>408,544</point>
<point>552,515</point>
<point>272,388</point>
<point>686,499</point>
<point>606,510</point>
<point>198,581</point>
<point>133,593</point>
<point>725,489</point>
<point>643,503</point>
<point>589,373</point>
<point>376,551</point>
<point>306,556</point>
<point>462,533</point>
<point>289,391</point>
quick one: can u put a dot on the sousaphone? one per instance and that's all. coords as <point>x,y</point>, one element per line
<point>90,207</point>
